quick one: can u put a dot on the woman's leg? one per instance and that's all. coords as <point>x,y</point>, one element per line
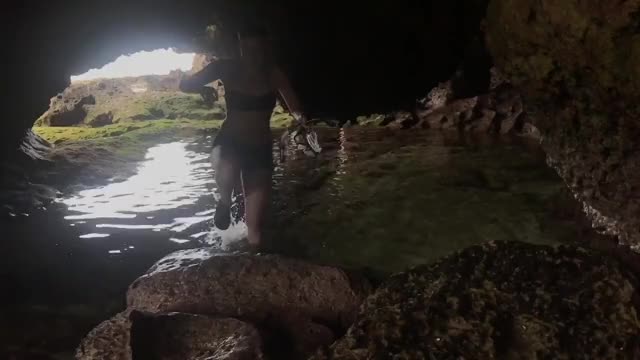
<point>227,174</point>
<point>257,196</point>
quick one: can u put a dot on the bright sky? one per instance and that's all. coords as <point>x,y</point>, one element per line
<point>157,62</point>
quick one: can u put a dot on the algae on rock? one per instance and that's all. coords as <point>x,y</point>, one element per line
<point>506,300</point>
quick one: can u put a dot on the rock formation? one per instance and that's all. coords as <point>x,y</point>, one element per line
<point>577,63</point>
<point>498,110</point>
<point>67,111</point>
<point>229,301</point>
<point>500,300</point>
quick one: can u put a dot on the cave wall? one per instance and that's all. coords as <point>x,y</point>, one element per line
<point>578,64</point>
<point>343,57</point>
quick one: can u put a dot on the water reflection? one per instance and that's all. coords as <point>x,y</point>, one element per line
<point>173,178</point>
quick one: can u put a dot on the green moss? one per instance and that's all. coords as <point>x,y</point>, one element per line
<point>59,135</point>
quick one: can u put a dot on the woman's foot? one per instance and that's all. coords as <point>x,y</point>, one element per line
<point>222,217</point>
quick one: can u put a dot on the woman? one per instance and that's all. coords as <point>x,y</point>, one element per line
<point>251,83</point>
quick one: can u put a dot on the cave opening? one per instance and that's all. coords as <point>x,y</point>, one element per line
<point>128,93</point>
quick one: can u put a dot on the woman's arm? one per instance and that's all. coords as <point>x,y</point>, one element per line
<point>289,95</point>
<point>194,83</point>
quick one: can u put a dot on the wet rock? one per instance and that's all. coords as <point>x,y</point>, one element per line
<point>137,335</point>
<point>186,336</point>
<point>67,111</point>
<point>203,281</point>
<point>500,300</point>
<point>108,341</point>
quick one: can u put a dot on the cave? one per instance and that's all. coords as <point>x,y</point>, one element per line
<point>473,195</point>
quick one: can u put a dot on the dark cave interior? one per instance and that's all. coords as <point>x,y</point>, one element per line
<point>538,187</point>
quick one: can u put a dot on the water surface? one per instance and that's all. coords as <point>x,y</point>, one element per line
<point>374,198</point>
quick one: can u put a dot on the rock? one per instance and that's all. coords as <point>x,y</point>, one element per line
<point>102,119</point>
<point>438,97</point>
<point>186,336</point>
<point>204,281</point>
<point>503,300</point>
<point>108,341</point>
<point>137,335</point>
<point>299,338</point>
<point>531,131</point>
<point>67,111</point>
<point>576,64</point>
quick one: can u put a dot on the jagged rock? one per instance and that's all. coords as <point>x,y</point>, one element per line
<point>205,281</point>
<point>504,300</point>
<point>135,335</point>
<point>438,97</point>
<point>67,111</point>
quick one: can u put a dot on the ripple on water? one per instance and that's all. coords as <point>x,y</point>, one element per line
<point>171,191</point>
<point>374,197</point>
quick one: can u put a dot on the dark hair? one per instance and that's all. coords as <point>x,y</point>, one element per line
<point>253,31</point>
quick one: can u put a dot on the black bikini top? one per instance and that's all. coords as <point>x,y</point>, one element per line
<point>240,101</point>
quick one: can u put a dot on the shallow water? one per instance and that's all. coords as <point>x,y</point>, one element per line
<point>374,198</point>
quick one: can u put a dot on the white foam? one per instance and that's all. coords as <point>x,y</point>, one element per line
<point>224,238</point>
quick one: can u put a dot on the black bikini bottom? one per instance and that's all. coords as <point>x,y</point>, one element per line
<point>248,156</point>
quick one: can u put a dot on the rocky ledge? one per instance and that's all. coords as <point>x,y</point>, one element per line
<point>229,306</point>
<point>500,300</point>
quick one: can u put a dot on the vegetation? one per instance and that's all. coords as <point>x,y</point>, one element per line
<point>132,131</point>
<point>155,105</point>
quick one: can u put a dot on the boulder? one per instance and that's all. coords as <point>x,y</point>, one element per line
<point>504,300</point>
<point>258,288</point>
<point>136,335</point>
<point>65,111</point>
